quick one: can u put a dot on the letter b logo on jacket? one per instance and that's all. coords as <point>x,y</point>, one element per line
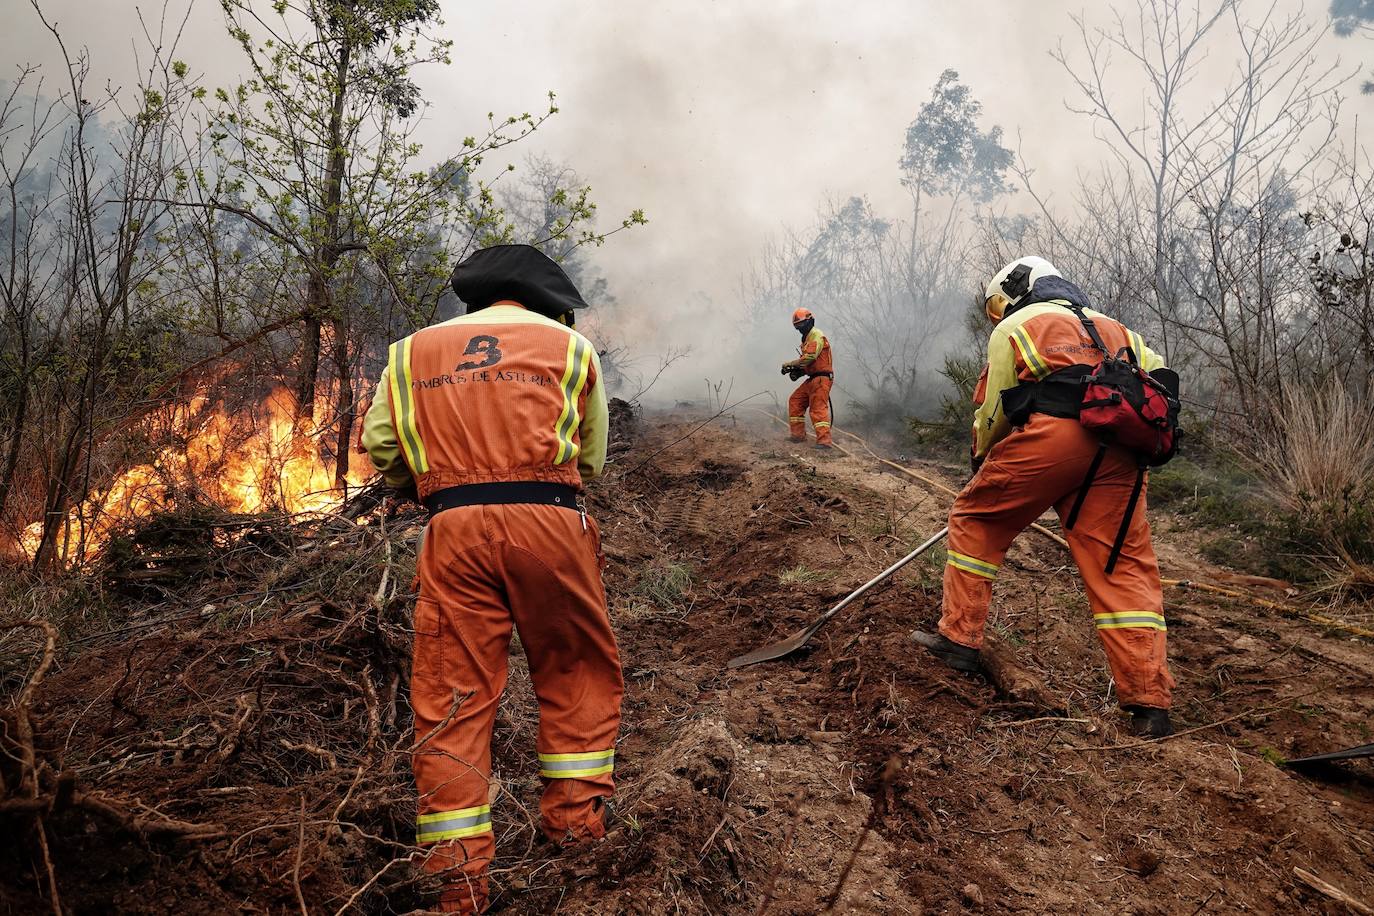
<point>485,346</point>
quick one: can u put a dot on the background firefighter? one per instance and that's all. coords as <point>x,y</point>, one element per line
<point>497,417</point>
<point>818,365</point>
<point>1021,471</point>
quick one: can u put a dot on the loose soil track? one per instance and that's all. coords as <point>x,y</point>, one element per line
<point>739,789</point>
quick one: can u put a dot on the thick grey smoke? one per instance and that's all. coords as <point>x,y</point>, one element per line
<point>726,122</point>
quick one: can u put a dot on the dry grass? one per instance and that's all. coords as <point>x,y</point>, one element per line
<point>663,590</point>
<point>801,574</point>
<point>1325,450</point>
<point>1320,470</point>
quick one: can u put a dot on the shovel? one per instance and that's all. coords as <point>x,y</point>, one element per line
<point>801,637</point>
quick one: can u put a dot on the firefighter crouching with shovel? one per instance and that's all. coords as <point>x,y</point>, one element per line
<point>1071,409</point>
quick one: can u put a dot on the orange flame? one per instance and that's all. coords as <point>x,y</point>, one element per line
<point>261,460</point>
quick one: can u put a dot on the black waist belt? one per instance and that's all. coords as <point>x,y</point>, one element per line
<point>503,493</point>
<point>829,375</point>
<point>1060,394</point>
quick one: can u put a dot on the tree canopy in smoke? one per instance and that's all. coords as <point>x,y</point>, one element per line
<point>947,154</point>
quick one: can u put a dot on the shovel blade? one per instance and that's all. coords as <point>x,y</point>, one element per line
<point>775,651</point>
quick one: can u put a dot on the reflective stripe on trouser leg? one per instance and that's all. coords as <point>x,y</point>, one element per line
<point>1116,620</point>
<point>968,564</point>
<point>992,509</point>
<point>451,825</point>
<point>1128,604</point>
<point>576,766</point>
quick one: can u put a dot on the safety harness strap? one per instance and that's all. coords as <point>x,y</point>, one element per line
<point>1126,519</point>
<point>1087,482</point>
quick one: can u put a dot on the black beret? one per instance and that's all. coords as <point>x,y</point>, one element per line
<point>521,273</point>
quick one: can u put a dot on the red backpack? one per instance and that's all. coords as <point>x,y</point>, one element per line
<point>1127,407</point>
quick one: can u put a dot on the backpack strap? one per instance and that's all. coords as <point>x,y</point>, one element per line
<point>1091,328</point>
<point>1126,519</point>
<point>1083,489</point>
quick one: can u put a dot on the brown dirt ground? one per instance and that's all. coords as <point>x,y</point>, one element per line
<point>738,789</point>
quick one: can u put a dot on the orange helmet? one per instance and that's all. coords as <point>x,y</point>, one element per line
<point>801,315</point>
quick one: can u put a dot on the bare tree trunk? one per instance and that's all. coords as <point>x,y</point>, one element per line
<point>327,252</point>
<point>344,407</point>
<point>310,358</point>
<point>17,431</point>
<point>56,499</point>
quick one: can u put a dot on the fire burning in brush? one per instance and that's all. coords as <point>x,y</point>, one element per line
<point>262,459</point>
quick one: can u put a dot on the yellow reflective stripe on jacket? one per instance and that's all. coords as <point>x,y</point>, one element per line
<point>971,565</point>
<point>574,379</point>
<point>1137,346</point>
<point>1029,355</point>
<point>574,766</point>
<point>1118,620</point>
<point>448,825</point>
<point>403,404</point>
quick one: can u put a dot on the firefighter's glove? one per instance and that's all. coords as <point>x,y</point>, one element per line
<point>406,494</point>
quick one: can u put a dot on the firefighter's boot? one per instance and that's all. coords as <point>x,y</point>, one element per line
<point>960,658</point>
<point>1149,722</point>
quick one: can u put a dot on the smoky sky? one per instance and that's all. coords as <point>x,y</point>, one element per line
<point>724,121</point>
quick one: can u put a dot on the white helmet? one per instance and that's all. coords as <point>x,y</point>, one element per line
<point>1013,282</point>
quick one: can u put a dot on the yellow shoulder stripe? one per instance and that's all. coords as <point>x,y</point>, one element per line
<point>575,374</point>
<point>1029,355</point>
<point>403,404</point>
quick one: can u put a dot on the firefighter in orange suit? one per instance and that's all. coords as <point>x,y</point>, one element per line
<point>1022,471</point>
<point>817,364</point>
<point>497,417</point>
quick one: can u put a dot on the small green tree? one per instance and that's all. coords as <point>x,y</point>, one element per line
<point>315,150</point>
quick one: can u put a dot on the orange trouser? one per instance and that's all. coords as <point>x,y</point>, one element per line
<point>813,393</point>
<point>482,568</point>
<point>1044,465</point>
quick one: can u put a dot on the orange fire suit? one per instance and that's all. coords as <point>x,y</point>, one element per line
<point>814,393</point>
<point>500,395</point>
<point>1029,469</point>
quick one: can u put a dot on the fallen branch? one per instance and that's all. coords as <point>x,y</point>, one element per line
<point>296,868</point>
<point>142,824</point>
<point>1016,723</point>
<point>1331,890</point>
<point>1013,680</point>
<point>28,758</point>
<point>348,904</point>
